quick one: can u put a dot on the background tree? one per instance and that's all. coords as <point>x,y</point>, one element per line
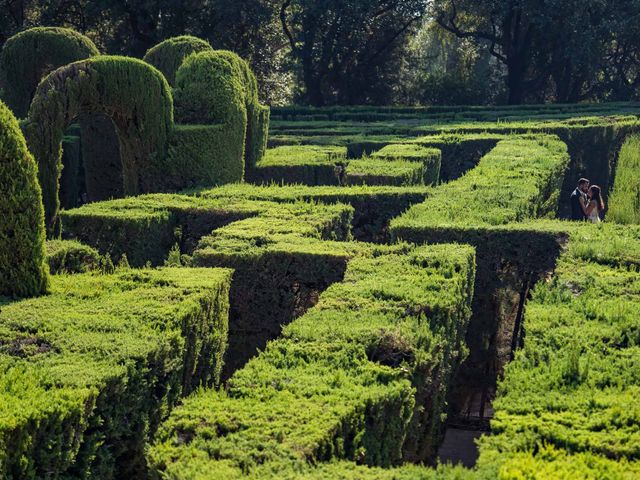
<point>442,69</point>
<point>349,52</point>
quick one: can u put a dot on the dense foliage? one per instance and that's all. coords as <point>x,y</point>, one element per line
<point>23,268</point>
<point>89,370</point>
<point>381,52</point>
<point>134,94</point>
<point>167,56</point>
<point>28,57</point>
<point>624,202</point>
<point>345,370</point>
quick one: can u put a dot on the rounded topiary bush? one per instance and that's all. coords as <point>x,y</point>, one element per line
<point>210,89</point>
<point>23,268</point>
<point>257,115</point>
<point>133,94</point>
<point>167,56</point>
<point>249,82</point>
<point>30,55</point>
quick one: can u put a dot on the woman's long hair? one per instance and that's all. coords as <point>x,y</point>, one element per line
<point>596,194</point>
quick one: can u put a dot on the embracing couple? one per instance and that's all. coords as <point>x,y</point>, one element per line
<point>586,202</point>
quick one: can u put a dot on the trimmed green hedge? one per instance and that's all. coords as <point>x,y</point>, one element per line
<point>624,202</point>
<point>139,95</point>
<point>30,55</point>
<point>519,179</point>
<point>205,155</point>
<point>374,206</point>
<point>431,158</point>
<point>144,227</point>
<point>374,171</point>
<point>219,87</point>
<point>315,165</point>
<point>69,256</point>
<point>257,115</point>
<point>23,268</point>
<point>282,259</point>
<point>569,396</point>
<point>210,89</point>
<point>354,378</point>
<point>307,165</point>
<point>460,153</point>
<point>215,91</point>
<point>90,370</point>
<point>281,245</point>
<point>168,55</point>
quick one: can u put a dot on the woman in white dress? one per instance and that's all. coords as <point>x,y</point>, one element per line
<point>596,205</point>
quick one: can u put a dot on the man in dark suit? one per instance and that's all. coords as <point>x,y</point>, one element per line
<point>579,200</point>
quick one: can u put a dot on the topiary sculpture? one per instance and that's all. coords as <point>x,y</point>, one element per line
<point>132,93</point>
<point>167,56</point>
<point>30,55</point>
<point>23,268</point>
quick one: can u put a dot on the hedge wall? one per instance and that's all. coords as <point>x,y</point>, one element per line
<point>307,165</point>
<point>90,370</point>
<point>566,403</point>
<point>144,227</point>
<point>30,55</point>
<point>23,268</point>
<point>518,180</point>
<point>374,206</point>
<point>431,158</point>
<point>315,165</point>
<point>155,154</point>
<point>134,94</point>
<point>279,244</point>
<point>219,87</point>
<point>358,376</point>
<point>372,171</point>
<point>168,55</point>
<point>624,202</point>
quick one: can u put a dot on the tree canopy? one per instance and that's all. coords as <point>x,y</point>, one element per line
<point>382,51</point>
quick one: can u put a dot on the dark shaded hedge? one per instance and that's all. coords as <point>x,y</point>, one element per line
<point>167,56</point>
<point>23,270</point>
<point>30,55</point>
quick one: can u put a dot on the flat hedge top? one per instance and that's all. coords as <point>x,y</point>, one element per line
<point>59,352</point>
<point>300,155</point>
<point>376,166</point>
<point>290,404</point>
<point>408,152</point>
<point>507,186</point>
<point>289,193</point>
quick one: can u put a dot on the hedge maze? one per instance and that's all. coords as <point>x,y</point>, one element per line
<point>322,301</point>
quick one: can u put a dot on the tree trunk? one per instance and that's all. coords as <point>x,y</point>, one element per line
<point>515,81</point>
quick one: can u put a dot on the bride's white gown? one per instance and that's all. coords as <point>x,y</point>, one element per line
<point>594,217</point>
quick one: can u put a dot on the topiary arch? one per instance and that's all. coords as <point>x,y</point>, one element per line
<point>30,55</point>
<point>23,269</point>
<point>133,94</point>
<point>167,56</point>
